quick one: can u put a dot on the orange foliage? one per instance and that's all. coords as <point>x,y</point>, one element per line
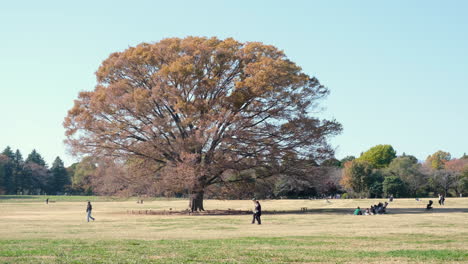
<point>194,108</point>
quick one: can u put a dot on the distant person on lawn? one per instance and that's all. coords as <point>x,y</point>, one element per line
<point>257,212</point>
<point>429,205</point>
<point>441,199</point>
<point>358,211</point>
<point>89,208</point>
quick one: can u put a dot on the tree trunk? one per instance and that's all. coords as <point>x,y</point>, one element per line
<point>196,201</point>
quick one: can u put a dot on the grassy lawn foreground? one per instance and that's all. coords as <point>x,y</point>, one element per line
<point>33,232</point>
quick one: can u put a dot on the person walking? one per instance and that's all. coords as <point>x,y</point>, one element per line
<point>257,212</point>
<point>89,208</point>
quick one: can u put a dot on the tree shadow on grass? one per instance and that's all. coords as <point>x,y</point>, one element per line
<point>390,211</point>
<point>324,211</point>
<point>16,197</point>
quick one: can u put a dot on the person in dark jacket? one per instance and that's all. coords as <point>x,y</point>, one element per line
<point>89,208</point>
<point>429,205</point>
<point>257,212</point>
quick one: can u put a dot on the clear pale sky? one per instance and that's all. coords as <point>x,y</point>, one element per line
<point>397,71</point>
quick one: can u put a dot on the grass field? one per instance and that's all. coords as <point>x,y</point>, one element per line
<point>33,232</point>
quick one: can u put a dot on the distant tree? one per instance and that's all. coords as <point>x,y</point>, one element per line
<point>2,174</point>
<point>442,181</point>
<point>329,183</point>
<point>358,176</point>
<point>379,156</point>
<point>346,159</point>
<point>457,165</point>
<point>438,159</point>
<point>60,177</point>
<point>411,158</point>
<point>196,109</point>
<point>81,176</point>
<point>39,177</point>
<point>393,185</point>
<point>35,176</point>
<point>459,168</point>
<point>307,180</point>
<point>71,170</point>
<point>9,180</point>
<point>464,156</point>
<point>8,152</point>
<point>22,180</point>
<point>332,162</point>
<point>376,189</point>
<point>463,186</point>
<point>294,187</point>
<point>35,157</point>
<point>409,171</point>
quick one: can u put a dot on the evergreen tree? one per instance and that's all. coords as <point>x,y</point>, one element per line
<point>34,178</point>
<point>21,179</point>
<point>9,181</point>
<point>18,158</point>
<point>60,177</point>
<point>8,152</point>
<point>39,176</point>
<point>35,157</point>
<point>2,179</point>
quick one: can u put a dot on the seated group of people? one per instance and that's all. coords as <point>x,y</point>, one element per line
<point>373,210</point>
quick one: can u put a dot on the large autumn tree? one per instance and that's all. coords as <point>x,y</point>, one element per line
<point>199,111</point>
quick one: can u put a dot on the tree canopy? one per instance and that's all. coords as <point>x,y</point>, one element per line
<point>31,176</point>
<point>379,156</point>
<point>196,109</point>
<point>35,157</point>
<point>358,176</point>
<point>438,159</point>
<point>408,170</point>
<point>60,177</point>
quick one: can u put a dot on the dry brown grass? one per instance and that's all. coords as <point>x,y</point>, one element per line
<point>67,220</point>
<point>33,232</point>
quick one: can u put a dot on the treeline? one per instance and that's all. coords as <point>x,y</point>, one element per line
<point>31,176</point>
<point>378,172</point>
